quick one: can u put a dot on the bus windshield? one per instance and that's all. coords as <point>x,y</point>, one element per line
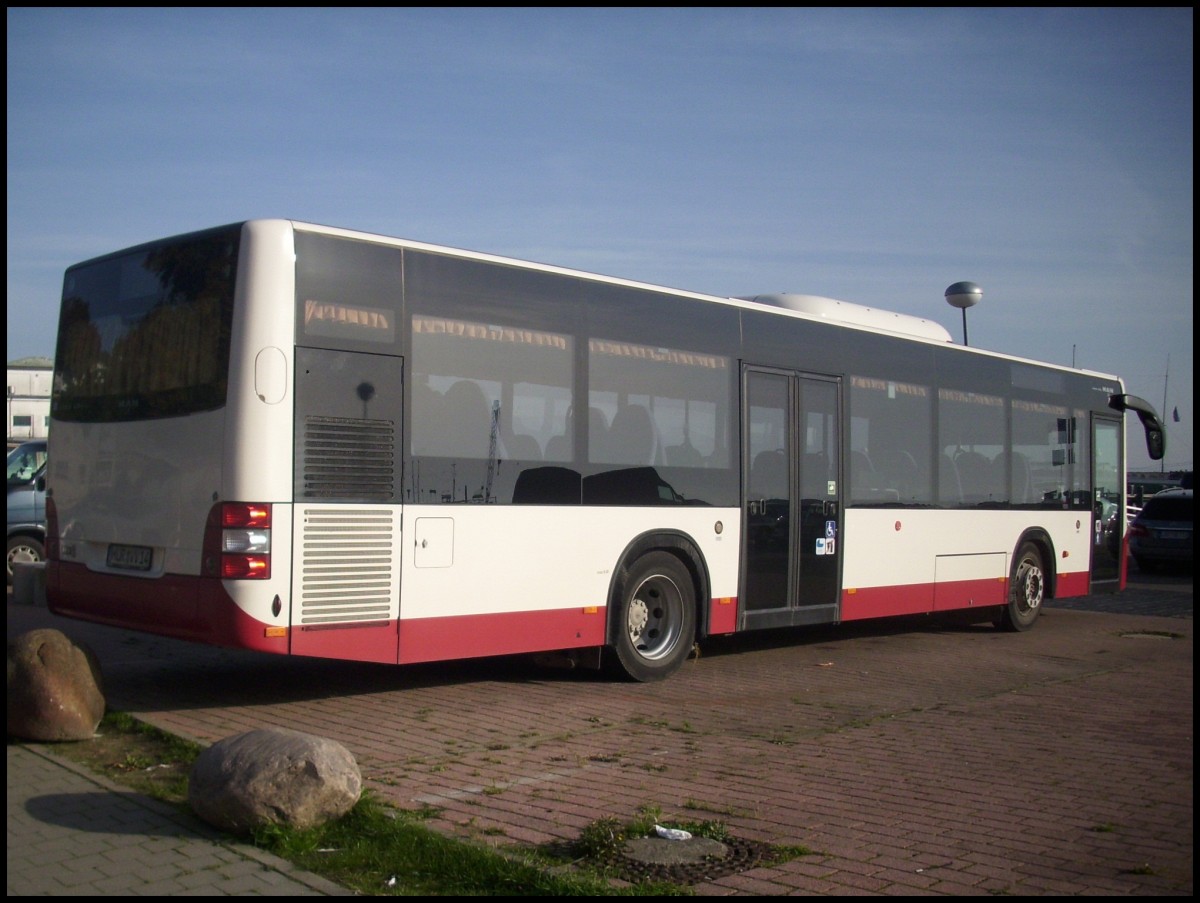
<point>145,334</point>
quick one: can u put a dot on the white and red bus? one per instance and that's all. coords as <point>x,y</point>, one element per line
<point>311,441</point>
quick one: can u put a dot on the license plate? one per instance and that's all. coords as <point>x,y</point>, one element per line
<point>130,558</point>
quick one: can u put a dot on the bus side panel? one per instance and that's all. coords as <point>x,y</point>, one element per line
<point>487,580</point>
<point>909,561</point>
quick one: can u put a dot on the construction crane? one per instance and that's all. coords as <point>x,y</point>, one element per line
<point>492,450</point>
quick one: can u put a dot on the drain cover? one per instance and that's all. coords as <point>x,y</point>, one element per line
<point>674,852</point>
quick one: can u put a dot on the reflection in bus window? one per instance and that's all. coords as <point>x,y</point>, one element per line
<point>479,387</point>
<point>891,424</point>
<point>1039,468</point>
<point>970,438</point>
<point>657,406</point>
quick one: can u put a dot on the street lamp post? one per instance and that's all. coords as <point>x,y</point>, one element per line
<point>963,295</point>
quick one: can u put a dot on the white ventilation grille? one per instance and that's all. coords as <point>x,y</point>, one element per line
<point>349,569</point>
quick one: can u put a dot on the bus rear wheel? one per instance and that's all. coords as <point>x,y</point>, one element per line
<point>654,624</point>
<point>1026,590</point>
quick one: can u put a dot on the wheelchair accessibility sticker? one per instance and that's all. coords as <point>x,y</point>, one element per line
<point>827,544</point>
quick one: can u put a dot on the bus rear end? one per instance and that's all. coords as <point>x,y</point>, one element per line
<point>156,520</point>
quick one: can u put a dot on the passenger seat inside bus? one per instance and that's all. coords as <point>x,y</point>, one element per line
<point>632,438</point>
<point>517,446</point>
<point>898,470</point>
<point>949,487</point>
<point>466,421</point>
<point>978,477</point>
<point>685,455</point>
<point>768,476</point>
<point>1022,491</point>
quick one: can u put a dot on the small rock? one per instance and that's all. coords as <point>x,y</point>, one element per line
<point>273,776</point>
<point>55,688</point>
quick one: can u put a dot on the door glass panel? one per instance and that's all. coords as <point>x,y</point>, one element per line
<point>1108,527</point>
<point>768,493</point>
<point>820,491</point>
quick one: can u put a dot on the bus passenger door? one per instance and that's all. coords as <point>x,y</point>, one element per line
<point>791,498</point>
<point>1108,493</point>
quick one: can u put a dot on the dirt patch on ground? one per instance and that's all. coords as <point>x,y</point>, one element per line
<point>136,756</point>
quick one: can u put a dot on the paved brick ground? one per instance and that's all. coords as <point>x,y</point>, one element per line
<point>911,757</point>
<point>71,833</point>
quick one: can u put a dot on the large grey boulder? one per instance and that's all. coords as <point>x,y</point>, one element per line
<point>55,688</point>
<point>273,776</point>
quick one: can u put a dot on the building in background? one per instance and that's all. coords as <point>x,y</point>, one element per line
<point>29,381</point>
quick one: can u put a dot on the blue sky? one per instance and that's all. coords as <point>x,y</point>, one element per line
<point>875,156</point>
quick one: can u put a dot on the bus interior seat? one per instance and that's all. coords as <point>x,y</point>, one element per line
<point>814,476</point>
<point>561,447</point>
<point>520,447</point>
<point>862,475</point>
<point>1022,479</point>
<point>632,438</point>
<point>898,468</point>
<point>466,422</point>
<point>425,401</point>
<point>977,477</point>
<point>949,485</point>
<point>768,474</point>
<point>1021,483</point>
<point>597,436</point>
<point>685,455</point>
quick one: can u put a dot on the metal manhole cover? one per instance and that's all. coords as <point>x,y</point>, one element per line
<point>686,861</point>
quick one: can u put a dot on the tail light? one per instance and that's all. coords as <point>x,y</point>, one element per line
<point>237,542</point>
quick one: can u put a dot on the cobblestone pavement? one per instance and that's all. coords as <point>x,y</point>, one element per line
<point>910,757</point>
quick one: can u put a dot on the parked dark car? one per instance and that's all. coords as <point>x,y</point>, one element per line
<point>1163,530</point>
<point>26,503</point>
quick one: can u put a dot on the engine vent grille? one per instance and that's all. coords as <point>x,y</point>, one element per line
<point>348,565</point>
<point>348,459</point>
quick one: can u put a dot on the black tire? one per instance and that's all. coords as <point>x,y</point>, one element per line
<point>23,549</point>
<point>1146,566</point>
<point>1026,590</point>
<point>654,618</point>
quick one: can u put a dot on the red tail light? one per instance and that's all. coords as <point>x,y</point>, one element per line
<point>244,514</point>
<point>237,541</point>
<point>245,567</point>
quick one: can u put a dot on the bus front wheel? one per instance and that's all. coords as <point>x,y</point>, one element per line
<point>655,618</point>
<point>1026,590</point>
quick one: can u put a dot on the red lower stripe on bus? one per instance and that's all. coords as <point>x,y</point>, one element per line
<point>472,636</point>
<point>186,608</point>
<point>921,598</point>
<point>1074,584</point>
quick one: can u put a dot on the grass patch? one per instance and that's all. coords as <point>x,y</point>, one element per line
<point>378,850</point>
<point>375,849</point>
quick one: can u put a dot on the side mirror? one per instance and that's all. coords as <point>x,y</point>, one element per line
<point>1156,434</point>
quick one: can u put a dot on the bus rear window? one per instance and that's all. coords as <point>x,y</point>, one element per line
<point>144,334</point>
